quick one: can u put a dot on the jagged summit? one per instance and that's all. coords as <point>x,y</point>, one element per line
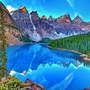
<point>34,15</point>
<point>34,12</point>
<point>65,18</point>
<point>44,17</point>
<point>78,19</point>
<point>67,15</point>
<point>51,18</point>
<point>23,8</point>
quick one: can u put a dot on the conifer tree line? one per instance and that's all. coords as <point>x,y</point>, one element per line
<point>3,58</point>
<point>79,43</point>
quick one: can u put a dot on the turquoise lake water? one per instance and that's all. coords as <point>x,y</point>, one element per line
<point>54,69</point>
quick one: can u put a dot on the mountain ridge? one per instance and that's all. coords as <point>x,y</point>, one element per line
<point>37,28</point>
<point>41,27</point>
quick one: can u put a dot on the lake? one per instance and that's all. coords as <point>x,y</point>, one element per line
<point>54,69</point>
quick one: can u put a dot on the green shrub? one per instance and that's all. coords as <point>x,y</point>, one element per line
<point>26,39</point>
<point>12,83</point>
<point>88,54</point>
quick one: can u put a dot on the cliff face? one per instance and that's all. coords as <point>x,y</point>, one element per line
<point>53,28</point>
<point>22,20</point>
<point>31,24</point>
<point>8,18</point>
<point>10,27</point>
<point>11,40</point>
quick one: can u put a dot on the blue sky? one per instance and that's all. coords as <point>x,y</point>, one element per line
<point>55,8</point>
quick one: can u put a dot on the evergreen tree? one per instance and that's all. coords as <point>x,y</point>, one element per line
<point>80,43</point>
<point>3,59</point>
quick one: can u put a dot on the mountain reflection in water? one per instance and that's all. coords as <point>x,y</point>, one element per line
<point>54,69</point>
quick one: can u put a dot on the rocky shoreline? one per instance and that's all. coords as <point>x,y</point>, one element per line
<point>83,56</point>
<point>33,86</point>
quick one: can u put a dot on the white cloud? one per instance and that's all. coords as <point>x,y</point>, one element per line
<point>10,8</point>
<point>71,3</point>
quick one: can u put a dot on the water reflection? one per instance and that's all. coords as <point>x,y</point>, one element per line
<point>55,69</point>
<point>31,56</point>
<point>85,63</point>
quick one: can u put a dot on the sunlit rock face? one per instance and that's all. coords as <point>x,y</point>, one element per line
<point>22,20</point>
<point>41,27</point>
<point>23,8</point>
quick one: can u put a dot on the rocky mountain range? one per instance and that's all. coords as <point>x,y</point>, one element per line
<point>40,27</point>
<point>20,23</point>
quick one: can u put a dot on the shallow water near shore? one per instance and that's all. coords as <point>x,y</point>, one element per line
<point>54,69</point>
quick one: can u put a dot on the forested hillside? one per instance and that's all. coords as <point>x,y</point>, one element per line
<point>80,43</point>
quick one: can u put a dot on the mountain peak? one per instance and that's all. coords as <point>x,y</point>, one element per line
<point>50,18</point>
<point>33,12</point>
<point>44,17</point>
<point>65,18</point>
<point>78,19</point>
<point>34,15</point>
<point>66,15</point>
<point>23,8</point>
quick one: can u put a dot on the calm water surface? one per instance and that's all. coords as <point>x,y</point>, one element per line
<point>54,69</point>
